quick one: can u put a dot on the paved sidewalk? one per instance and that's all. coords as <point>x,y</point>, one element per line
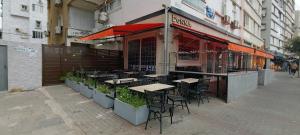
<point>57,110</point>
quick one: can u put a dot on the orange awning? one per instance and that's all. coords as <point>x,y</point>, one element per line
<point>122,30</point>
<point>238,48</point>
<point>264,54</point>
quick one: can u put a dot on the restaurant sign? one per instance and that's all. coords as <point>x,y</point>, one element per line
<point>181,21</point>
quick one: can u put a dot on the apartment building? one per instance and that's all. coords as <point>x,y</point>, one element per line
<point>277,25</point>
<point>25,21</point>
<point>24,30</point>
<point>297,23</point>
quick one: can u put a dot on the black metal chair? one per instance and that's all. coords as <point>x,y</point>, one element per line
<point>166,79</point>
<point>201,90</point>
<point>180,96</point>
<point>156,103</point>
<point>204,88</point>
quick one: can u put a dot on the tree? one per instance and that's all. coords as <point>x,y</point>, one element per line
<point>293,45</point>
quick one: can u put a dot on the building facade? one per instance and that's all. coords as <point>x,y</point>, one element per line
<point>234,21</point>
<point>277,25</point>
<point>297,23</point>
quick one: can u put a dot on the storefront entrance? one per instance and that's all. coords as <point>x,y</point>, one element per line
<point>3,68</point>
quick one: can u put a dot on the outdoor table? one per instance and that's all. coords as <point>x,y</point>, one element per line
<point>152,87</point>
<point>96,77</point>
<point>155,75</point>
<point>187,80</point>
<point>218,75</point>
<point>130,73</point>
<point>121,81</point>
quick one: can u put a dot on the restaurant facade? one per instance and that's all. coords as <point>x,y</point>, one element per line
<point>192,45</point>
<point>173,41</point>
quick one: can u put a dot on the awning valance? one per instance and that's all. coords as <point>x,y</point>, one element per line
<point>238,48</point>
<point>199,33</point>
<point>122,30</point>
<point>264,54</point>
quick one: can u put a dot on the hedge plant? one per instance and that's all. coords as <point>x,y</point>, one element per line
<point>126,96</point>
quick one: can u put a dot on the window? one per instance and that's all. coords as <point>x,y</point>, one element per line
<point>33,7</point>
<point>142,54</point>
<point>38,25</point>
<point>224,7</point>
<point>246,21</point>
<point>37,7</point>
<point>24,8</point>
<point>198,5</point>
<point>263,26</point>
<point>112,6</point>
<point>271,40</point>
<point>234,12</point>
<point>188,49</point>
<point>37,34</point>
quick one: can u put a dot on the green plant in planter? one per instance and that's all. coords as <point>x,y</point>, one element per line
<point>68,75</point>
<point>125,95</point>
<point>76,79</point>
<point>90,82</point>
<point>103,88</point>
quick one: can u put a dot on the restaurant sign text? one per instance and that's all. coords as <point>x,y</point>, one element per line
<point>181,21</point>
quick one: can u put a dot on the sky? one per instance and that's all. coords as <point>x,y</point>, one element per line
<point>297,4</point>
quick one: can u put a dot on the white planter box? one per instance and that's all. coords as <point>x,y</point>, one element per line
<point>86,91</point>
<point>73,85</point>
<point>101,99</point>
<point>136,116</point>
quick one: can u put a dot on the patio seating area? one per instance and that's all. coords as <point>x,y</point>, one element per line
<point>139,97</point>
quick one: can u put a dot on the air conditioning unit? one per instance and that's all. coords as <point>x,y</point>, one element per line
<point>234,24</point>
<point>103,17</point>
<point>58,2</point>
<point>226,19</point>
<point>58,29</point>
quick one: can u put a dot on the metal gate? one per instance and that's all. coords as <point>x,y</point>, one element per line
<point>3,68</point>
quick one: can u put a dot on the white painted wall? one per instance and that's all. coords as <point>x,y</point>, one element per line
<point>14,18</point>
<point>217,6</point>
<point>133,9</point>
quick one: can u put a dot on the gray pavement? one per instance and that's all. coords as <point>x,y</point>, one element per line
<point>57,110</point>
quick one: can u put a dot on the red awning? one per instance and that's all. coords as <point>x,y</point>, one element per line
<point>264,54</point>
<point>122,30</point>
<point>240,48</point>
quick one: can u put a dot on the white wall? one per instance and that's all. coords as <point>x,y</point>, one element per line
<point>133,9</point>
<point>24,61</point>
<point>217,6</point>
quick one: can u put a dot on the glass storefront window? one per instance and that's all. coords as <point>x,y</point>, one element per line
<point>142,54</point>
<point>188,49</point>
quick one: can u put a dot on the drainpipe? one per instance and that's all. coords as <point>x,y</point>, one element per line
<point>166,39</point>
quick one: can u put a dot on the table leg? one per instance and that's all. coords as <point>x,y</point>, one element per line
<point>218,87</point>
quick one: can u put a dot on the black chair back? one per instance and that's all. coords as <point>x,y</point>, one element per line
<point>203,84</point>
<point>184,88</point>
<point>155,100</point>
